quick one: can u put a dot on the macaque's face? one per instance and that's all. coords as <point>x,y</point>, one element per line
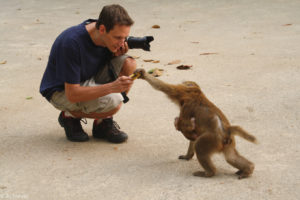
<point>115,38</point>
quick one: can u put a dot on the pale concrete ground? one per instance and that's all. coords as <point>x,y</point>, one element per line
<point>253,78</point>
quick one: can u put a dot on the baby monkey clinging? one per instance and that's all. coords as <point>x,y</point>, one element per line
<point>204,124</point>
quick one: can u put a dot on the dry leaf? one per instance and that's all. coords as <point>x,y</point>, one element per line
<point>174,62</point>
<point>115,148</point>
<point>3,62</point>
<point>155,26</point>
<point>205,54</point>
<point>184,67</point>
<point>191,21</point>
<point>151,71</point>
<point>149,60</point>
<point>195,42</point>
<point>3,187</point>
<point>37,21</point>
<point>250,109</point>
<point>156,72</point>
<point>136,57</point>
<point>287,24</point>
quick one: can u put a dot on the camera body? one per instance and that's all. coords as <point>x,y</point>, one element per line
<point>139,42</point>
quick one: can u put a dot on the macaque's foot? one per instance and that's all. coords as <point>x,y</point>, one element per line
<point>185,157</point>
<point>241,174</point>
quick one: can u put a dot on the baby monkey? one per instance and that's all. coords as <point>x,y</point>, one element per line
<point>204,124</point>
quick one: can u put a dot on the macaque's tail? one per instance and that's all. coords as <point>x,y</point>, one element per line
<point>236,130</point>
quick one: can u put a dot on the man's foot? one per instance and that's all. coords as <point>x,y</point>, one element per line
<point>73,128</point>
<point>110,130</point>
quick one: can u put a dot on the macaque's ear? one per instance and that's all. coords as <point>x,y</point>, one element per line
<point>193,123</point>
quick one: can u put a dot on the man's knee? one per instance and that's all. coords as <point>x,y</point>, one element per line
<point>130,62</point>
<point>115,110</point>
<point>129,66</point>
<point>103,104</point>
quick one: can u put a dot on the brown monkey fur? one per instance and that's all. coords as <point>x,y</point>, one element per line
<point>205,126</point>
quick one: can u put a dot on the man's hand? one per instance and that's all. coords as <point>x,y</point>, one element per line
<point>122,84</point>
<point>123,49</point>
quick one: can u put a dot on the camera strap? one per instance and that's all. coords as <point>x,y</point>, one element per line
<point>115,77</point>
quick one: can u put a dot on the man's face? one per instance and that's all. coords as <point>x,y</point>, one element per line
<point>115,38</point>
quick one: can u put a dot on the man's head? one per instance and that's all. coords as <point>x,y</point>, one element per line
<point>114,25</point>
<point>112,15</point>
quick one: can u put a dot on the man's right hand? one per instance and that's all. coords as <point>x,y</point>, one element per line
<point>122,84</point>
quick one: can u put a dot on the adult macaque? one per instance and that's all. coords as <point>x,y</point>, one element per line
<point>204,125</point>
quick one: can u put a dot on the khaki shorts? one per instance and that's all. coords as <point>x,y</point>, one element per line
<point>99,105</point>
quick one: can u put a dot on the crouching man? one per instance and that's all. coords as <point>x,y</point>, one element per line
<point>78,78</point>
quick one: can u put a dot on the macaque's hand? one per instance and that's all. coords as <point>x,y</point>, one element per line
<point>141,72</point>
<point>123,49</point>
<point>122,84</point>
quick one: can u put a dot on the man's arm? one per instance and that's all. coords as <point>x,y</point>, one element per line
<point>77,93</point>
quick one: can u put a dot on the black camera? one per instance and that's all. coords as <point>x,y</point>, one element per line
<point>139,42</point>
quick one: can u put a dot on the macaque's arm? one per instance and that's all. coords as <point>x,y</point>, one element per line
<point>169,89</point>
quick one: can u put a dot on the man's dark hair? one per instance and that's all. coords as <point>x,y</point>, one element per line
<point>112,15</point>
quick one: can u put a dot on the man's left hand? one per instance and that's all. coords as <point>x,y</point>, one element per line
<point>123,49</point>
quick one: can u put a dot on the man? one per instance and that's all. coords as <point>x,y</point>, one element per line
<point>78,79</point>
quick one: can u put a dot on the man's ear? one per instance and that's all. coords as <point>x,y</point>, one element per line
<point>102,29</point>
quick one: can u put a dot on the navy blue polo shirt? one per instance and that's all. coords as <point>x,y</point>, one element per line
<point>74,58</point>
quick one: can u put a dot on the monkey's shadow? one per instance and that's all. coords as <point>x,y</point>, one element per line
<point>185,168</point>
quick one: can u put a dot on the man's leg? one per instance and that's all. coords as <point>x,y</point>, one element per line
<point>79,114</point>
<point>106,127</point>
<point>129,67</point>
<point>98,109</point>
<point>73,128</point>
<point>101,109</point>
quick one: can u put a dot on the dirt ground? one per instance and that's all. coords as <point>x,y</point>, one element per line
<point>245,56</point>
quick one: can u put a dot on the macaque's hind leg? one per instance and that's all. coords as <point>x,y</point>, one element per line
<point>190,152</point>
<point>205,146</point>
<point>208,166</point>
<point>233,158</point>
